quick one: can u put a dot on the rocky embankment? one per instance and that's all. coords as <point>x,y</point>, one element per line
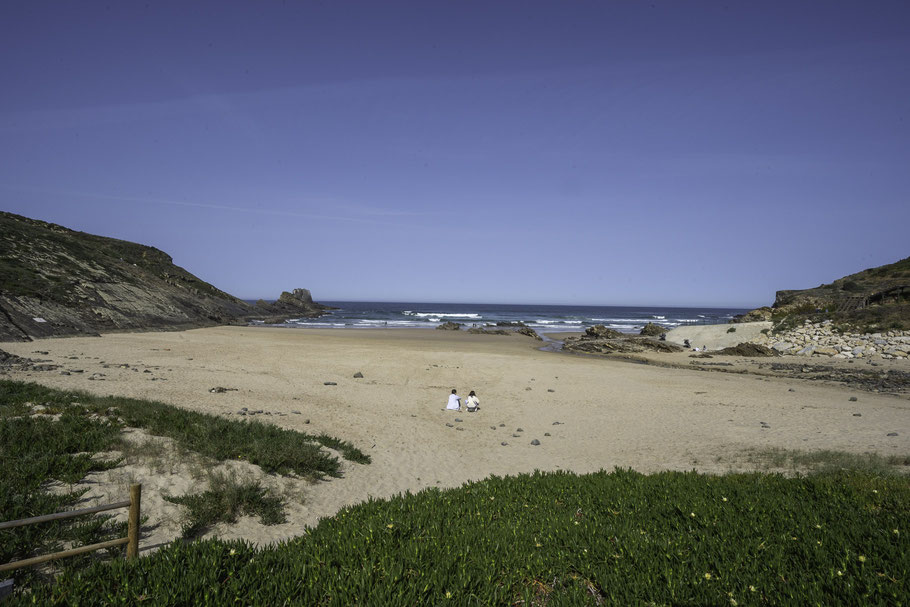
<point>820,340</point>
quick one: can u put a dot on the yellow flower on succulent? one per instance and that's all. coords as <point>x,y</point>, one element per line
<point>707,576</point>
<point>752,588</point>
<point>724,499</point>
<point>448,594</point>
<point>861,558</point>
<point>692,514</point>
<point>390,526</point>
<point>840,573</point>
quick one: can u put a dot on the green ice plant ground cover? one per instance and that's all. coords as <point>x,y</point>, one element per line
<point>60,442</point>
<point>619,538</point>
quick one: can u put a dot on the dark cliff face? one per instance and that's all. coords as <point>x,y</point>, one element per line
<point>56,281</point>
<point>874,299</point>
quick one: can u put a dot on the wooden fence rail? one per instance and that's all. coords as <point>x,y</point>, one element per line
<point>131,540</point>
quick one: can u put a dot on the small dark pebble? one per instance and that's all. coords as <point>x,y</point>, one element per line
<point>329,383</point>
<point>519,429</point>
<point>791,390</point>
<point>857,415</point>
<point>535,442</point>
<point>460,429</point>
<point>528,389</point>
<point>892,434</point>
<point>65,373</point>
<point>557,423</point>
<point>853,399</point>
<point>502,425</point>
<point>516,436</point>
<point>358,375</point>
<point>550,390</point>
<point>306,421</point>
<point>492,427</point>
<point>458,419</point>
<point>450,425</point>
<point>296,412</point>
<point>546,434</point>
<point>504,443</point>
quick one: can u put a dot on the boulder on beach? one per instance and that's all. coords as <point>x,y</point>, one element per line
<point>450,326</point>
<point>602,332</point>
<point>653,330</point>
<point>747,349</point>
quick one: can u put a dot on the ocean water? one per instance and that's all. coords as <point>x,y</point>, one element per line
<point>551,319</point>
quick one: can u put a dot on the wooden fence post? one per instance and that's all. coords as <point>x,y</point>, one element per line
<point>132,546</point>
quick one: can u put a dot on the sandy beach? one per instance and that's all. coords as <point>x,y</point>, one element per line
<point>587,413</point>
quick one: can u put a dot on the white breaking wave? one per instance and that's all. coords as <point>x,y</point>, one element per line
<point>439,315</point>
<point>658,317</point>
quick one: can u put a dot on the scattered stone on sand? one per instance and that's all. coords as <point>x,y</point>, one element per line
<point>220,389</point>
<point>516,436</point>
<point>502,425</point>
<point>857,415</point>
<point>459,428</point>
<point>450,326</point>
<point>791,390</point>
<point>296,412</point>
<point>557,423</point>
<point>358,375</point>
<point>528,389</point>
<point>546,434</point>
<point>450,425</point>
<point>519,429</point>
<point>853,399</point>
<point>458,419</point>
<point>504,444</point>
<point>306,421</point>
<point>535,442</point>
<point>550,390</point>
<point>892,434</point>
<point>492,427</point>
<point>329,383</point>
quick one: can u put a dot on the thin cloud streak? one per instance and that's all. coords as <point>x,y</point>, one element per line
<point>220,207</point>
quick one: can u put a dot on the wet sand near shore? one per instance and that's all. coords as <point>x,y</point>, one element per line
<point>588,413</point>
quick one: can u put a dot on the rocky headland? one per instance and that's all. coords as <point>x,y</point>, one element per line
<point>55,282</point>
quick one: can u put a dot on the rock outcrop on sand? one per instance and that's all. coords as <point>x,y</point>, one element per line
<point>450,326</point>
<point>653,330</point>
<point>747,349</point>
<point>56,281</point>
<point>625,344</point>
<point>602,332</point>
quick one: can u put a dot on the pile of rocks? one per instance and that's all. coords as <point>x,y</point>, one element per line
<point>820,339</point>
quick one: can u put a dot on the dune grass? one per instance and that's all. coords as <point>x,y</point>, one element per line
<point>226,499</point>
<point>49,435</point>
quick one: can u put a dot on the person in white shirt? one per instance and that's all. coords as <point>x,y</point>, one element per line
<point>472,402</point>
<point>454,401</point>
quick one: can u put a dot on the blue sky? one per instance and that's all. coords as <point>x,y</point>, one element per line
<point>627,153</point>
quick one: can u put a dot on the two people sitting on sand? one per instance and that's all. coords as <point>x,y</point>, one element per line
<point>454,404</point>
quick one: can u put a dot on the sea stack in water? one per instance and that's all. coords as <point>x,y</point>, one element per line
<point>298,303</point>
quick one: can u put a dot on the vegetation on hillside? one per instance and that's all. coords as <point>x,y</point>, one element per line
<point>876,299</point>
<point>42,260</point>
